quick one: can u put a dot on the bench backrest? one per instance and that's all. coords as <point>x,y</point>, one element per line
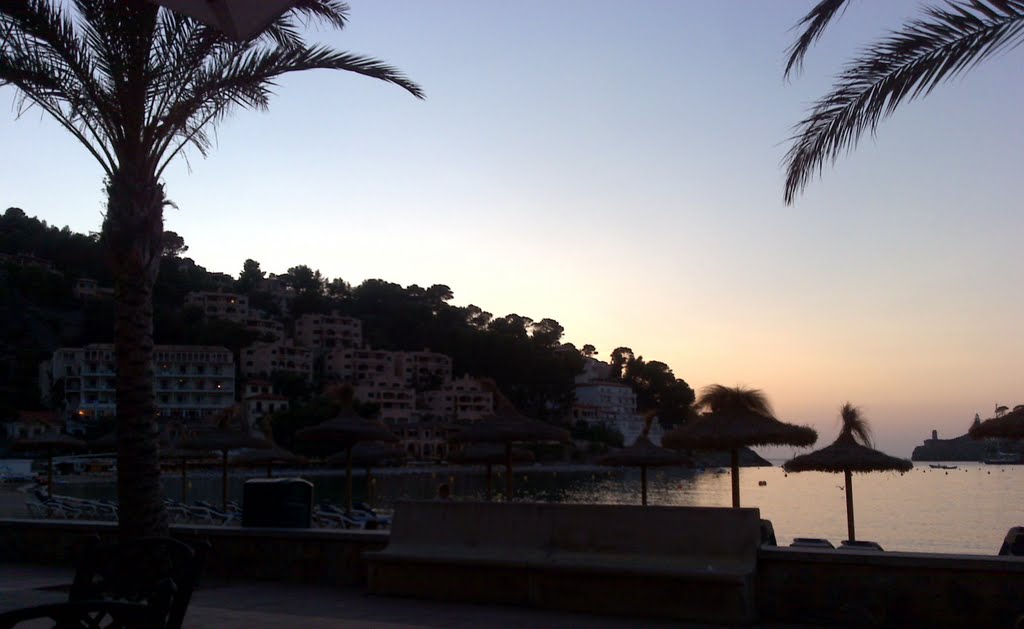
<point>468,524</point>
<point>707,532</point>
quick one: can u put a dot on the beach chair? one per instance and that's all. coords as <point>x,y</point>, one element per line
<point>159,572</point>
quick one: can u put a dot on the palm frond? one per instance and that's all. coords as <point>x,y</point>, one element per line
<point>717,398</point>
<point>905,65</point>
<point>50,66</point>
<point>813,24</point>
<point>244,77</point>
<point>855,427</point>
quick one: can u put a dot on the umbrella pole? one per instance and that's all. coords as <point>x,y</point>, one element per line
<point>735,478</point>
<point>490,488</point>
<point>643,485</point>
<point>184,479</point>
<point>508,472</point>
<point>49,473</point>
<point>224,481</point>
<point>348,480</point>
<point>369,486</point>
<point>849,504</point>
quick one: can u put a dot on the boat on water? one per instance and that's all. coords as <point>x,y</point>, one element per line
<point>939,466</point>
<point>1004,458</point>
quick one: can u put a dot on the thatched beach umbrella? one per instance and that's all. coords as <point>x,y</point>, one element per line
<point>367,455</point>
<point>1008,426</point>
<point>223,440</point>
<point>274,455</point>
<point>488,455</point>
<point>736,417</point>
<point>48,443</point>
<point>850,452</point>
<point>343,433</point>
<point>644,454</point>
<point>508,427</point>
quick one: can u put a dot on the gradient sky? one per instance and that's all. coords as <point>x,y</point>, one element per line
<point>616,166</point>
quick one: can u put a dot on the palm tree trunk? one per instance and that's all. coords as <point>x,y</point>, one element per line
<point>132,232</point>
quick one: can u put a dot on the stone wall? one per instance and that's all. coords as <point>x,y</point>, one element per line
<point>824,587</point>
<point>293,555</point>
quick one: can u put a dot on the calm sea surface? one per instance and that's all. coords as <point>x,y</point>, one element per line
<point>966,510</point>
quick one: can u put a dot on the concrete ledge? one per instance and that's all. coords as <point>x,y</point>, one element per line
<point>290,555</point>
<point>862,588</point>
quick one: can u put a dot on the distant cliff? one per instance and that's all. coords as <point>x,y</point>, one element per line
<point>962,448</point>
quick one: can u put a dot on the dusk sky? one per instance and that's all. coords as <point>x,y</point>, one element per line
<point>617,167</point>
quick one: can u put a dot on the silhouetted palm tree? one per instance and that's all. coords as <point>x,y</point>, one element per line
<point>137,84</point>
<point>906,64</point>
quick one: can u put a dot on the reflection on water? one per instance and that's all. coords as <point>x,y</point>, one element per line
<point>965,510</point>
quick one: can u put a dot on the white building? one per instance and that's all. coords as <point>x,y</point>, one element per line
<point>359,365</point>
<point>423,370</point>
<point>230,306</point>
<point>190,382</point>
<point>397,401</point>
<point>265,359</point>
<point>326,332</point>
<point>462,399</point>
<point>614,405</point>
<point>265,327</point>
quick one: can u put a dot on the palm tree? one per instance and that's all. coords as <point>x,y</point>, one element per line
<point>909,63</point>
<point>136,85</point>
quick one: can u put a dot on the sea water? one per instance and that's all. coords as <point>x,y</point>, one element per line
<point>965,510</point>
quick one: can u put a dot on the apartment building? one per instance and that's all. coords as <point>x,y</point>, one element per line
<point>190,382</point>
<point>325,332</point>
<point>230,306</point>
<point>397,402</point>
<point>265,358</point>
<point>265,327</point>
<point>425,441</point>
<point>614,405</point>
<point>462,399</point>
<point>358,365</point>
<point>423,370</point>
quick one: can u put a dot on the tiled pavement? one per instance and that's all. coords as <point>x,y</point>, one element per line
<point>253,605</point>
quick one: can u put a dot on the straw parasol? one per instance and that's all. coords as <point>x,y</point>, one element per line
<point>1008,426</point>
<point>644,454</point>
<point>368,454</point>
<point>223,439</point>
<point>343,433</point>
<point>274,455</point>
<point>488,455</point>
<point>736,417</point>
<point>850,452</point>
<point>506,427</point>
<point>48,443</point>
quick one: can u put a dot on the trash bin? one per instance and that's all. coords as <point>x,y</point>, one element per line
<point>277,502</point>
<point>1013,543</point>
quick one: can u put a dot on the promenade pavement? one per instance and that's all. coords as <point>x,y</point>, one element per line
<point>261,604</point>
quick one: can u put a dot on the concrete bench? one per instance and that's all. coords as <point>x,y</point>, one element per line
<point>689,563</point>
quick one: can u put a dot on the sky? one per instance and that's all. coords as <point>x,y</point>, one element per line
<point>617,167</point>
